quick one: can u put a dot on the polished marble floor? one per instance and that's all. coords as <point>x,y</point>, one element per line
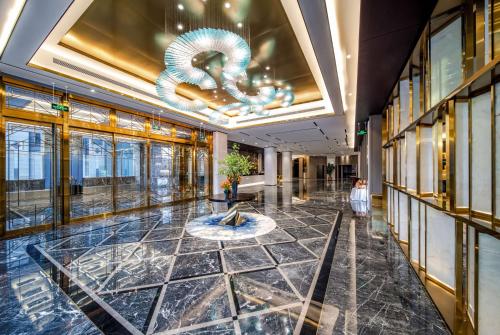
<point>142,273</point>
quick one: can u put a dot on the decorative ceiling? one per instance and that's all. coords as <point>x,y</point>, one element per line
<point>132,36</point>
<point>120,49</point>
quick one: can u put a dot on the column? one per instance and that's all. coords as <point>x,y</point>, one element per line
<point>270,166</point>
<point>301,167</point>
<point>375,155</point>
<point>219,153</point>
<point>286,165</point>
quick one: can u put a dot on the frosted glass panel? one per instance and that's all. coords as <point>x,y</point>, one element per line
<point>481,153</point>
<point>436,140</point>
<point>489,292</point>
<point>414,230</point>
<point>396,116</point>
<point>462,154</point>
<point>441,246</point>
<point>425,159</point>
<point>403,217</point>
<point>422,235</point>
<point>389,205</point>
<point>402,169</point>
<point>404,101</point>
<point>396,211</point>
<point>470,273</point>
<point>416,97</point>
<point>411,161</point>
<point>446,61</point>
<point>497,154</point>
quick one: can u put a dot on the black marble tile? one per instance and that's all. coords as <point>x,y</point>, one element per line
<point>155,249</point>
<point>226,328</point>
<point>324,228</point>
<point>134,306</point>
<point>192,302</point>
<point>248,258</point>
<point>312,221</point>
<point>275,236</point>
<point>279,322</point>
<point>239,243</point>
<point>303,232</point>
<point>66,256</point>
<point>290,223</point>
<point>197,244</point>
<point>192,265</point>
<point>85,240</point>
<point>301,275</point>
<point>164,234</point>
<point>316,245</point>
<point>289,252</point>
<point>125,237</point>
<point>261,290</point>
<point>133,273</point>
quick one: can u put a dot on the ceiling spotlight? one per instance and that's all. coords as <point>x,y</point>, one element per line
<point>207,67</point>
<point>180,6</point>
<point>349,94</point>
<point>265,76</point>
<point>180,26</point>
<point>348,56</point>
<point>215,91</point>
<point>224,100</point>
<point>92,90</point>
<point>215,96</point>
<point>227,5</point>
<point>268,68</point>
<point>194,59</point>
<point>240,25</point>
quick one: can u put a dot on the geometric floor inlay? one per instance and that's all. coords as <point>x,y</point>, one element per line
<point>151,276</point>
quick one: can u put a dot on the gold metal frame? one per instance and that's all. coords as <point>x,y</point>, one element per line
<point>66,124</point>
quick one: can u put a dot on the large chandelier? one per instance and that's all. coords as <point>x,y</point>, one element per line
<point>179,69</point>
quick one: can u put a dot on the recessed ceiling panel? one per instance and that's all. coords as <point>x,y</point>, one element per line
<point>132,36</point>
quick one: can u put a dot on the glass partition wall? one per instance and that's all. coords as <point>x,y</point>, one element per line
<point>90,161</point>
<point>442,163</point>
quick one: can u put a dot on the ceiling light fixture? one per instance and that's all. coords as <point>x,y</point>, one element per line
<point>180,26</point>
<point>8,25</point>
<point>240,25</point>
<point>227,5</point>
<point>268,68</point>
<point>348,56</point>
<point>180,6</point>
<point>237,52</point>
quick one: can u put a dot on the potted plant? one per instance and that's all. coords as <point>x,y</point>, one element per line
<point>234,166</point>
<point>329,170</point>
<point>226,186</point>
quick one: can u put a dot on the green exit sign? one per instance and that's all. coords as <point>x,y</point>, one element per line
<point>362,132</point>
<point>60,107</point>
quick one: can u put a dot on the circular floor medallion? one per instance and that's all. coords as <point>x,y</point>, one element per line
<point>208,227</point>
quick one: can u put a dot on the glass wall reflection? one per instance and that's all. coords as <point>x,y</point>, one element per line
<point>161,172</point>
<point>130,160</point>
<point>91,168</point>
<point>183,172</point>
<point>31,173</point>
<point>202,171</point>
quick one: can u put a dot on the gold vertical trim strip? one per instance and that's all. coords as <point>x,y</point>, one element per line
<point>3,157</point>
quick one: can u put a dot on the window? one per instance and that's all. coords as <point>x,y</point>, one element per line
<point>89,113</point>
<point>446,60</point>
<point>129,121</point>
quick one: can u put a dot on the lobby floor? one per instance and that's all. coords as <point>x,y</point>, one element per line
<point>322,270</point>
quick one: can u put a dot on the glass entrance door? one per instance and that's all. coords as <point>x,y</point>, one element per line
<point>32,175</point>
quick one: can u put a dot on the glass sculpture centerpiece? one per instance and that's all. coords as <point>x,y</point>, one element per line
<point>230,225</point>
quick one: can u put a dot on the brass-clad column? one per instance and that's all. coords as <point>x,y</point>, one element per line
<point>450,153</point>
<point>460,290</point>
<point>3,157</point>
<point>194,138</point>
<point>112,123</point>
<point>148,172</point>
<point>65,167</point>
